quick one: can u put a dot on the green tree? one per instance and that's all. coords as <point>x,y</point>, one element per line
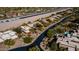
<point>50,33</point>
<point>32,30</point>
<point>24,24</point>
<point>27,39</point>
<point>54,46</point>
<point>35,48</point>
<point>18,30</point>
<point>9,42</point>
<point>56,20</point>
<point>76,12</point>
<point>39,26</point>
<point>59,29</point>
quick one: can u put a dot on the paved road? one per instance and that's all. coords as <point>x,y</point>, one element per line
<point>40,37</point>
<point>15,22</point>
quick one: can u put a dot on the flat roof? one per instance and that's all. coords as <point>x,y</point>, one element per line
<point>7,35</point>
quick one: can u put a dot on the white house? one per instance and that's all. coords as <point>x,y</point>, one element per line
<point>7,35</point>
<point>25,29</point>
<point>30,25</point>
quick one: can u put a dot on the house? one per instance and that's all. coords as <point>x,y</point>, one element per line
<point>56,16</point>
<point>25,29</point>
<point>69,42</point>
<point>44,21</point>
<point>30,25</point>
<point>52,18</point>
<point>59,15</point>
<point>69,11</point>
<point>7,35</point>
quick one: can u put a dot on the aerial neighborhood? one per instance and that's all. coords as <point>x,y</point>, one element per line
<point>39,29</point>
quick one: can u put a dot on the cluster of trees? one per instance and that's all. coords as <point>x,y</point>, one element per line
<point>22,10</point>
<point>70,25</point>
<point>48,20</point>
<point>18,30</point>
<point>61,29</point>
<point>39,26</point>
<point>55,47</point>
<point>34,48</point>
<point>76,12</point>
<point>27,39</point>
<point>33,30</point>
<point>9,42</point>
<point>52,32</point>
